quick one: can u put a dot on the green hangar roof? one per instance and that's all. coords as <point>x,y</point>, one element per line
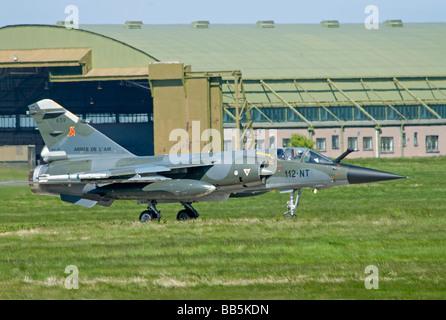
<point>284,51</point>
<point>58,47</point>
<point>293,50</point>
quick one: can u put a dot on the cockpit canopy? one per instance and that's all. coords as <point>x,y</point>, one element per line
<point>302,155</point>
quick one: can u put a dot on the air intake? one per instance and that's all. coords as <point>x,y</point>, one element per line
<point>330,23</point>
<point>394,23</point>
<point>265,24</point>
<point>133,24</point>
<point>200,24</point>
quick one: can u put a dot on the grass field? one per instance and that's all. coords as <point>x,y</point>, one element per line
<point>239,249</point>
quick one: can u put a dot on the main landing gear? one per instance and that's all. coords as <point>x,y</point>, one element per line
<point>292,204</point>
<point>188,212</point>
<point>152,212</point>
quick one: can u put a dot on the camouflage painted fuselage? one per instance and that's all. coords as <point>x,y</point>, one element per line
<point>87,168</point>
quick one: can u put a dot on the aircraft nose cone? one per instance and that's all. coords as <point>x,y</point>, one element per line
<point>364,175</point>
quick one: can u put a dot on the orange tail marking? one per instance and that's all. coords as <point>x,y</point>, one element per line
<point>72,132</point>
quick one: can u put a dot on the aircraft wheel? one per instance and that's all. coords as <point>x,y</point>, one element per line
<point>185,215</point>
<point>147,216</point>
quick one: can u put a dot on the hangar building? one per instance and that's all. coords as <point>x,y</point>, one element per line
<point>381,91</point>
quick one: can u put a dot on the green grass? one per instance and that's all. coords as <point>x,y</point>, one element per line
<point>239,249</point>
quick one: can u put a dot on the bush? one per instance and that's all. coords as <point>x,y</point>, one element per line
<point>298,140</point>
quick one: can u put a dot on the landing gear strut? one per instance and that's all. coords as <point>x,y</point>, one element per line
<point>151,213</point>
<point>188,212</point>
<point>292,204</point>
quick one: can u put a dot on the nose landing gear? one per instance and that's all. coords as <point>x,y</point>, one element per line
<point>292,204</point>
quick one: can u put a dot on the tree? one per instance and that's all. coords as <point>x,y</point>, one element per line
<point>298,140</point>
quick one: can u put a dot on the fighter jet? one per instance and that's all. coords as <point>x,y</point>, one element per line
<point>86,168</point>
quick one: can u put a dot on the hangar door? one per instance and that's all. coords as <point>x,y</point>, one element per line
<point>188,101</point>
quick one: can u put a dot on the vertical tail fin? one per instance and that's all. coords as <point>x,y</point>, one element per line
<point>66,135</point>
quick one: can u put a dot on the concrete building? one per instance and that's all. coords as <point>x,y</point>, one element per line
<point>380,91</point>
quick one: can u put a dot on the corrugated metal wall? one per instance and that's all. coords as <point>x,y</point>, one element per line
<point>18,154</point>
<point>190,103</point>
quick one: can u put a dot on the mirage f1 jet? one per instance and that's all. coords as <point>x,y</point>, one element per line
<point>86,168</point>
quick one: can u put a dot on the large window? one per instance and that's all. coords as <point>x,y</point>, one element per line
<point>352,143</point>
<point>272,142</point>
<point>227,145</point>
<point>387,144</point>
<point>335,142</point>
<point>7,121</point>
<point>320,144</point>
<point>367,143</point>
<point>27,122</point>
<point>260,144</point>
<point>432,144</point>
<point>285,142</point>
<point>134,118</point>
<point>100,118</point>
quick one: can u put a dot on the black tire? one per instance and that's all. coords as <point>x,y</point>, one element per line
<point>146,216</point>
<point>185,215</point>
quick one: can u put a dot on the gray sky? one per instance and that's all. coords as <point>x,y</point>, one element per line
<point>224,11</point>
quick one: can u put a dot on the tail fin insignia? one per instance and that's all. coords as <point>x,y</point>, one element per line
<point>82,139</point>
<point>72,132</point>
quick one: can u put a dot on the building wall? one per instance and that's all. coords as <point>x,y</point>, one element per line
<point>401,140</point>
<point>394,141</point>
<point>18,154</point>
<point>418,149</point>
<point>185,106</point>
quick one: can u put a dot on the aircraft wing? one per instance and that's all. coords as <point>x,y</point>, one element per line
<point>145,173</point>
